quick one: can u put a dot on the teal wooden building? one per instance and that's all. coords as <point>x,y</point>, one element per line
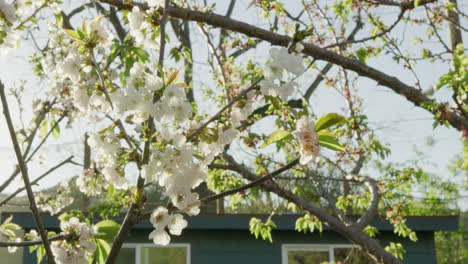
<point>226,239</point>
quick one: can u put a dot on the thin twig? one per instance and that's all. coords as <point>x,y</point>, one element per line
<point>249,185</point>
<point>30,243</point>
<point>24,173</point>
<point>253,86</point>
<point>11,196</point>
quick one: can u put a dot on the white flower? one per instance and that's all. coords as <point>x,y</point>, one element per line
<point>12,250</point>
<point>308,140</point>
<point>7,12</point>
<point>10,41</point>
<point>174,91</point>
<point>153,82</point>
<point>176,224</point>
<point>155,3</point>
<point>160,237</point>
<point>70,67</point>
<point>160,218</point>
<point>114,178</point>
<point>185,200</point>
<point>135,18</point>
<point>33,235</point>
<point>98,31</point>
<point>281,59</point>
<point>81,99</point>
<point>299,47</point>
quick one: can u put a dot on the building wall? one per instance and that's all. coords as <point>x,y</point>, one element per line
<point>240,247</point>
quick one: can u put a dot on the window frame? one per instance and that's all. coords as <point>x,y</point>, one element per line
<point>285,248</point>
<point>138,246</point>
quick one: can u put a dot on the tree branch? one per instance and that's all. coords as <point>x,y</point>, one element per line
<point>24,173</point>
<point>30,243</point>
<point>352,233</point>
<point>411,93</point>
<point>249,185</point>
<point>370,213</point>
<point>11,196</point>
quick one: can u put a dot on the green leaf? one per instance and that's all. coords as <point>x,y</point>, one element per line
<point>328,140</point>
<point>102,251</point>
<point>362,54</point>
<point>416,3</point>
<point>275,137</point>
<point>71,33</point>
<point>40,253</point>
<point>43,128</point>
<point>80,33</point>
<point>107,229</point>
<point>56,130</point>
<point>329,120</point>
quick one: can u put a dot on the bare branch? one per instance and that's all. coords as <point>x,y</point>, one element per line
<point>11,196</point>
<point>253,86</point>
<point>249,185</point>
<point>371,212</point>
<point>24,173</point>
<point>30,243</point>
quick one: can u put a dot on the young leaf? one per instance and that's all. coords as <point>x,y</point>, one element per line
<point>107,229</point>
<point>329,120</point>
<point>56,130</point>
<point>275,137</point>
<point>71,33</point>
<point>330,142</point>
<point>102,251</point>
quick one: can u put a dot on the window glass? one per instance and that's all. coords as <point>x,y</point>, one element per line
<point>307,257</point>
<point>351,256</point>
<point>166,255</point>
<point>126,256</point>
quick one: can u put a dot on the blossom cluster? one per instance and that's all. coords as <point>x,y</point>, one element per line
<point>8,35</point>
<point>13,17</point>
<point>280,62</point>
<point>107,149</point>
<point>161,219</point>
<point>54,203</point>
<point>85,80</point>
<point>79,251</point>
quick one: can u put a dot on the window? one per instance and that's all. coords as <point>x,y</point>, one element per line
<point>314,254</point>
<point>153,254</point>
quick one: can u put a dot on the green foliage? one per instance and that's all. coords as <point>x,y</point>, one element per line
<point>362,54</point>
<point>396,249</point>
<point>328,140</point>
<point>276,136</point>
<point>371,231</point>
<point>329,120</point>
<point>260,229</point>
<point>308,223</point>
<point>452,245</point>
<point>7,228</point>
<point>107,229</point>
<point>102,251</point>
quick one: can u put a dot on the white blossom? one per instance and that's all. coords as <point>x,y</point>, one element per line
<point>11,249</point>
<point>113,177</point>
<point>308,140</point>
<point>97,30</point>
<point>155,3</point>
<point>160,237</point>
<point>160,217</point>
<point>176,224</point>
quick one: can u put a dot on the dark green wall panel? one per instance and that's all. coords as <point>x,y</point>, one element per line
<point>240,247</point>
